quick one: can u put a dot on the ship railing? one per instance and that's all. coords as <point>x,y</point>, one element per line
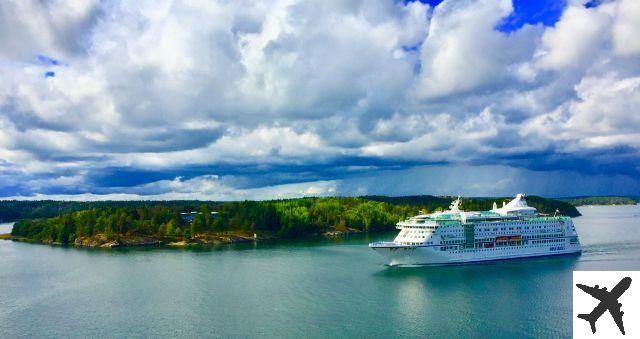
<point>384,244</point>
<point>560,217</point>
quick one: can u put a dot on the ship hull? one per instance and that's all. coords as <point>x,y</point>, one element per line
<point>431,255</point>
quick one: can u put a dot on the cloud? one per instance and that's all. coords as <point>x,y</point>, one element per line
<point>600,117</point>
<point>626,28</point>
<point>571,42</point>
<point>463,51</point>
<point>439,180</point>
<point>273,93</point>
<point>441,138</point>
<point>32,27</point>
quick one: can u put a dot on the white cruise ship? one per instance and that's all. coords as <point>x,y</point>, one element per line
<point>514,230</point>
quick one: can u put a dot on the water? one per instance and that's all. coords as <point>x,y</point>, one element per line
<point>320,288</point>
<point>6,227</point>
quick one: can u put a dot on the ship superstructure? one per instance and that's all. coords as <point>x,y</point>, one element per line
<point>514,230</point>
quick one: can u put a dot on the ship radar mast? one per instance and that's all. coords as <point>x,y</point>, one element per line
<point>455,206</point>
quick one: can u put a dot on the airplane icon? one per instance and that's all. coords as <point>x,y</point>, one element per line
<point>608,302</point>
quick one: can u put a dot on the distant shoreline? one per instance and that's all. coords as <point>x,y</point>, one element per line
<point>600,205</point>
<point>600,201</point>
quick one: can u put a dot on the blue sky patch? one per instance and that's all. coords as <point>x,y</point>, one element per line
<point>432,3</point>
<point>593,3</point>
<point>45,60</point>
<point>546,12</point>
<point>50,74</point>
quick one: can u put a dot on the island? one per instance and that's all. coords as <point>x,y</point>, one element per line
<point>205,223</point>
<point>603,200</point>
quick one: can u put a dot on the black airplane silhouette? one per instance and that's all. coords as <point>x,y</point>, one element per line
<point>608,301</point>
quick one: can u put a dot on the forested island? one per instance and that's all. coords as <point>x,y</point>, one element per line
<point>607,200</point>
<point>185,223</point>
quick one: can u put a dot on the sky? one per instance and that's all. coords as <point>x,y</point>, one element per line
<point>233,100</point>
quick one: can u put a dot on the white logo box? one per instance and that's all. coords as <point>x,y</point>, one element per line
<point>584,303</point>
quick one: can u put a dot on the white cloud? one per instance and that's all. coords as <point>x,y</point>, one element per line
<point>463,50</point>
<point>576,38</point>
<point>626,29</point>
<point>31,27</point>
<point>268,145</point>
<point>602,115</point>
<point>441,138</point>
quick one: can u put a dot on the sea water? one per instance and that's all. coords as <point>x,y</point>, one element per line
<point>306,288</point>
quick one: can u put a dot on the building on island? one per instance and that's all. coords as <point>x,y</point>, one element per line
<point>190,216</point>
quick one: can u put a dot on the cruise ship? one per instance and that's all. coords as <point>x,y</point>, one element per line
<point>514,230</point>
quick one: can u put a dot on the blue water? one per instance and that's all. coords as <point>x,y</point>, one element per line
<point>316,288</point>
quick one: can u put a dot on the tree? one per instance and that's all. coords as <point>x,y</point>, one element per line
<point>171,228</point>
<point>198,224</point>
<point>186,235</point>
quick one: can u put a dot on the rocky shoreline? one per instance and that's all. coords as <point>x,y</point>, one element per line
<point>101,241</point>
<point>336,233</point>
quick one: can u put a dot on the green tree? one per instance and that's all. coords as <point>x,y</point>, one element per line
<point>198,224</point>
<point>186,235</point>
